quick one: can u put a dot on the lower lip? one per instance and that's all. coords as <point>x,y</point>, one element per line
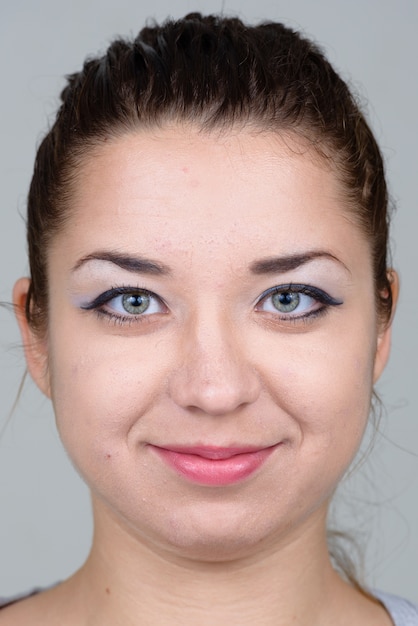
<point>218,471</point>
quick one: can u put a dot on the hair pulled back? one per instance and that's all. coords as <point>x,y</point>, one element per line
<point>211,72</point>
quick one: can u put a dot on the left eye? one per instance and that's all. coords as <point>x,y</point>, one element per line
<point>294,301</point>
<point>288,302</point>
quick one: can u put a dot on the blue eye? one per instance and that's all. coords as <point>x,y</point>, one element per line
<point>136,303</point>
<point>294,301</point>
<point>126,302</point>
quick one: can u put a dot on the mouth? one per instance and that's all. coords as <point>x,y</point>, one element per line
<point>214,466</point>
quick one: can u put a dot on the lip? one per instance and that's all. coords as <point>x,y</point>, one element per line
<point>212,465</point>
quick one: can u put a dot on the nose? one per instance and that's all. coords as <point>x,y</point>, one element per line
<point>213,375</point>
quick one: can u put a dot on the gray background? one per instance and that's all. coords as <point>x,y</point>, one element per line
<point>45,524</point>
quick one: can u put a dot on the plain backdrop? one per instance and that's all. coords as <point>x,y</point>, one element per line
<point>45,524</point>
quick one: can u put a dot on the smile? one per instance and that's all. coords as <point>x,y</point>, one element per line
<point>214,466</point>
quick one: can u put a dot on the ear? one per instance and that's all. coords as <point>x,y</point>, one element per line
<point>385,333</point>
<point>35,346</point>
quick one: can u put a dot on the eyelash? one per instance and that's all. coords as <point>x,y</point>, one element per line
<point>318,295</point>
<point>98,304</point>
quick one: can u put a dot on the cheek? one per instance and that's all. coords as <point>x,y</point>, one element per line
<point>324,392</point>
<point>100,389</point>
<point>324,385</point>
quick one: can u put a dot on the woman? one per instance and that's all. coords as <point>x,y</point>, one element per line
<point>209,307</point>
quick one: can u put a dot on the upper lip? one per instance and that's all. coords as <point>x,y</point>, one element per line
<point>214,452</point>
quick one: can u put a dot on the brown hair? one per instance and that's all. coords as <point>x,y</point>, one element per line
<point>214,72</point>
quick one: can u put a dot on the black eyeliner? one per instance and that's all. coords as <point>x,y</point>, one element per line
<point>114,292</point>
<point>314,292</point>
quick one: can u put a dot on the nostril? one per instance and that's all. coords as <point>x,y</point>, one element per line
<point>215,391</point>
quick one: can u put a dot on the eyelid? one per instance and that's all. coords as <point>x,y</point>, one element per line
<point>319,295</point>
<point>309,290</point>
<point>321,302</point>
<point>114,292</point>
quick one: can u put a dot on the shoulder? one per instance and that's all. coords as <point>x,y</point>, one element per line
<point>11,610</point>
<point>17,610</point>
<point>34,608</point>
<point>402,612</point>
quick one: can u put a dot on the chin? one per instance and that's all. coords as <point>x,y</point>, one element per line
<point>224,535</point>
<point>215,547</point>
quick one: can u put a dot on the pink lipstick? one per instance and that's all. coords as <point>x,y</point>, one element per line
<point>214,465</point>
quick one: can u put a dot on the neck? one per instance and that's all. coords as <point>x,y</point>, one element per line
<point>129,581</point>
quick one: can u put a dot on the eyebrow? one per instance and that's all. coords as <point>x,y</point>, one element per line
<point>282,264</point>
<point>270,265</point>
<point>127,262</point>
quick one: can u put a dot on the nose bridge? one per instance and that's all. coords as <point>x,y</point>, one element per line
<point>214,372</point>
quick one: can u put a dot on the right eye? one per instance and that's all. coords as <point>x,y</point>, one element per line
<point>138,303</point>
<point>126,303</point>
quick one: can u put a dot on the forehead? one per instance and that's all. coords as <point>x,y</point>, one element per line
<point>179,189</point>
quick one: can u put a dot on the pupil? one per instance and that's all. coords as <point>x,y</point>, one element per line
<point>135,303</point>
<point>286,298</point>
<point>286,302</point>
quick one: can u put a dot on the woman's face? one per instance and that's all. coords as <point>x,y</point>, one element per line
<point>212,338</point>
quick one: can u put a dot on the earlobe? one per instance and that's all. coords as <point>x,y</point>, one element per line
<point>35,347</point>
<point>385,335</point>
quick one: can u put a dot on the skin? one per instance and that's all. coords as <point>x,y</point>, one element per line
<point>212,362</point>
